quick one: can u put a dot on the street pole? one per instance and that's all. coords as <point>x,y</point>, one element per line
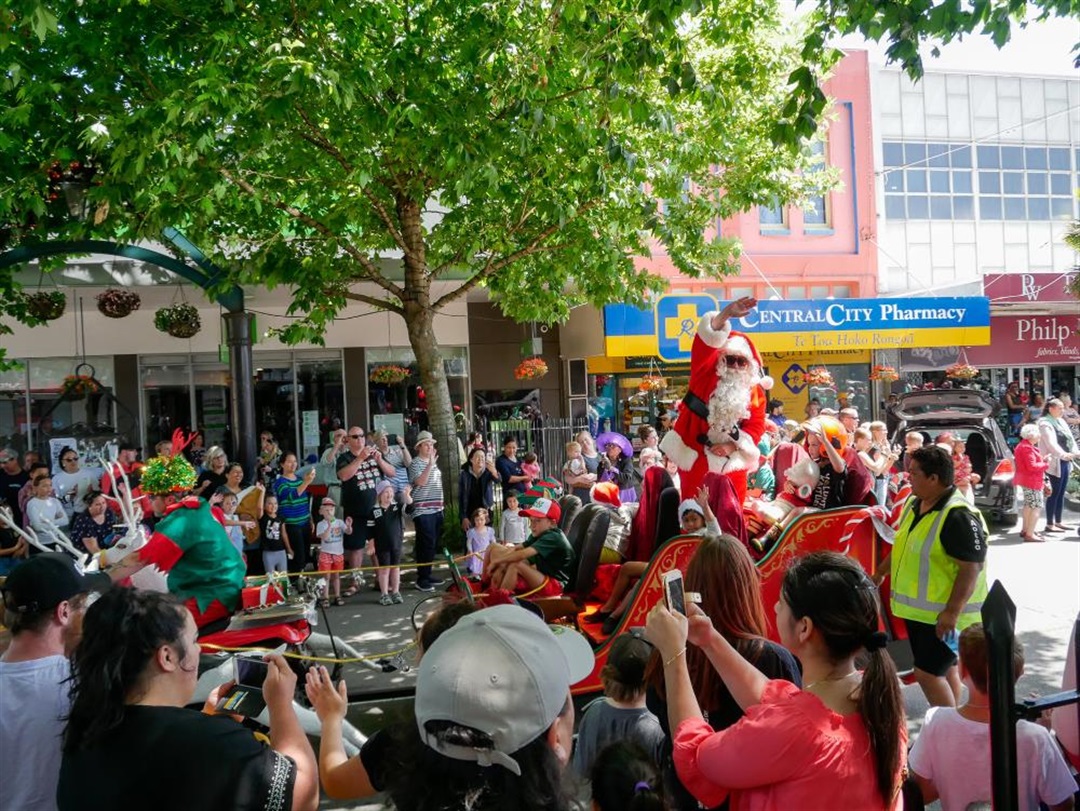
<point>242,410</point>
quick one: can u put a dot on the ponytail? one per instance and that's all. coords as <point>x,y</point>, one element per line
<point>881,707</point>
<point>835,592</point>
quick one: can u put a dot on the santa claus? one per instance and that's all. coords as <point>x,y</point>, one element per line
<point>722,416</point>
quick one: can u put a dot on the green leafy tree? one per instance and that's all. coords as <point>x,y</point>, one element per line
<point>401,154</point>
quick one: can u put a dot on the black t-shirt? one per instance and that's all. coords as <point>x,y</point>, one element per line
<point>10,485</point>
<point>175,759</point>
<point>270,530</point>
<point>962,534</point>
<point>358,492</point>
<point>377,756</point>
<point>216,480</point>
<point>385,526</point>
<point>829,492</point>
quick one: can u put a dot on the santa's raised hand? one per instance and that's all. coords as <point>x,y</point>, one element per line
<point>734,309</point>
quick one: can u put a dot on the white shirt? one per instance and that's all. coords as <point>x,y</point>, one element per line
<point>954,753</point>
<point>33,703</point>
<point>40,510</point>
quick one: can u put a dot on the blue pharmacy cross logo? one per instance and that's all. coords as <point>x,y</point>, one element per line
<point>794,378</point>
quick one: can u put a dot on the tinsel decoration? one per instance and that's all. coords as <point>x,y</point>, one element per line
<point>166,475</point>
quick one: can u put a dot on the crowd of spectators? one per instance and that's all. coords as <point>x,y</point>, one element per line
<point>702,710</point>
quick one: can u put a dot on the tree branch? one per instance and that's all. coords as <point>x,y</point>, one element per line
<point>493,266</point>
<point>374,302</point>
<point>316,138</point>
<point>370,268</point>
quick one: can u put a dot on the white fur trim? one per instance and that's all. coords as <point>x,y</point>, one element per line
<point>678,451</point>
<point>766,382</point>
<point>713,337</point>
<point>738,345</point>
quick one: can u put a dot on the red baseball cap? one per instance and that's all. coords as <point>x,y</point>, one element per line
<point>543,508</point>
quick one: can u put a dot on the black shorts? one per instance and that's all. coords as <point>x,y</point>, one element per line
<point>388,551</point>
<point>360,530</point>
<point>931,654</point>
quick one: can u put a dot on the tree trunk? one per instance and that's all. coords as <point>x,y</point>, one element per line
<point>420,323</point>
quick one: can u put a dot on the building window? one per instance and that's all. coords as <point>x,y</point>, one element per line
<point>816,215</point>
<point>773,217</point>
<point>941,181</point>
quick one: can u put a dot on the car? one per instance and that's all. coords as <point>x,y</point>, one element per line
<point>968,414</point>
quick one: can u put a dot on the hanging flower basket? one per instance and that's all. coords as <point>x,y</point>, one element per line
<point>389,374</point>
<point>652,382</point>
<point>886,374</point>
<point>531,369</point>
<point>75,387</point>
<point>961,371</point>
<point>179,320</point>
<point>46,305</point>
<point>820,376</point>
<point>117,303</point>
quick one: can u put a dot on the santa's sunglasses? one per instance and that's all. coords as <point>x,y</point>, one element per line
<point>736,361</point>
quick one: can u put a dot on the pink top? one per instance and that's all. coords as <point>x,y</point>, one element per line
<point>1030,466</point>
<point>790,751</point>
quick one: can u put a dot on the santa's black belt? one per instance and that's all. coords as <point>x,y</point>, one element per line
<point>696,405</point>
<point>701,409</point>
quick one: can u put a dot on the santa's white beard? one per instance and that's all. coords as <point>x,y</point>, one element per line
<point>730,401</point>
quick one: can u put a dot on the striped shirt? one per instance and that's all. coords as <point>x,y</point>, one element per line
<point>293,508</point>
<point>428,499</point>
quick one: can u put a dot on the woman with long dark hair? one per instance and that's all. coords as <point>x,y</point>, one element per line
<point>623,778</point>
<point>132,675</point>
<point>723,573</point>
<point>476,485</point>
<point>842,736</point>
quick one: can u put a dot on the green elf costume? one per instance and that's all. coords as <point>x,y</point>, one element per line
<point>189,543</point>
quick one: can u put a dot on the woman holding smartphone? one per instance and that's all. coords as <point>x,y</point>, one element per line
<point>132,676</point>
<point>841,736</point>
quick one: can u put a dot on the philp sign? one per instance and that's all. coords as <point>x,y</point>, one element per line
<point>1016,340</point>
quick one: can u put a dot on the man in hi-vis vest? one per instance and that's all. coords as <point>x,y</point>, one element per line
<point>938,572</point>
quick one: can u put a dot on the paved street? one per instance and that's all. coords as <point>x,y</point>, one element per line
<point>1042,579</point>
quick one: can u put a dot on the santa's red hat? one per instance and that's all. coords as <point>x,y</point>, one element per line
<point>740,344</point>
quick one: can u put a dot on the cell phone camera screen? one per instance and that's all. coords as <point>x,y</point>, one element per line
<point>675,598</point>
<point>251,672</point>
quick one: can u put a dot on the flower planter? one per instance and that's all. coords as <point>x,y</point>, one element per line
<point>531,369</point>
<point>389,375</point>
<point>178,320</point>
<point>117,303</point>
<point>46,306</point>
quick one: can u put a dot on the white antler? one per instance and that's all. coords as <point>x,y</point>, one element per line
<point>27,535</point>
<point>63,541</point>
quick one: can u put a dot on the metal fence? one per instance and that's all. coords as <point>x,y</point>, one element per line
<point>546,437</point>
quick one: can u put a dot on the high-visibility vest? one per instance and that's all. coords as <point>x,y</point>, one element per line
<point>923,573</point>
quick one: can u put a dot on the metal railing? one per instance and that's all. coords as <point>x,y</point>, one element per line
<point>999,625</point>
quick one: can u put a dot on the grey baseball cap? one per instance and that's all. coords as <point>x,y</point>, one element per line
<point>501,671</point>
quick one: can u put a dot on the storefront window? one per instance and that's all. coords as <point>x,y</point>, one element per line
<point>296,396</point>
<point>321,397</point>
<point>13,423</point>
<point>166,387</point>
<point>401,407</point>
<point>53,414</point>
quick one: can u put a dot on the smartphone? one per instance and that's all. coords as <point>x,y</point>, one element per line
<point>952,639</point>
<point>245,696</point>
<point>250,672</point>
<point>674,597</point>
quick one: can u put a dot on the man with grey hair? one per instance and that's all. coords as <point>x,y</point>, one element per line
<point>12,479</point>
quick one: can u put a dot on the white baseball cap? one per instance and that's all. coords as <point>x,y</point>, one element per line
<point>501,671</point>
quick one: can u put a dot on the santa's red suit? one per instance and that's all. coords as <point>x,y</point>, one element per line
<point>693,432</point>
